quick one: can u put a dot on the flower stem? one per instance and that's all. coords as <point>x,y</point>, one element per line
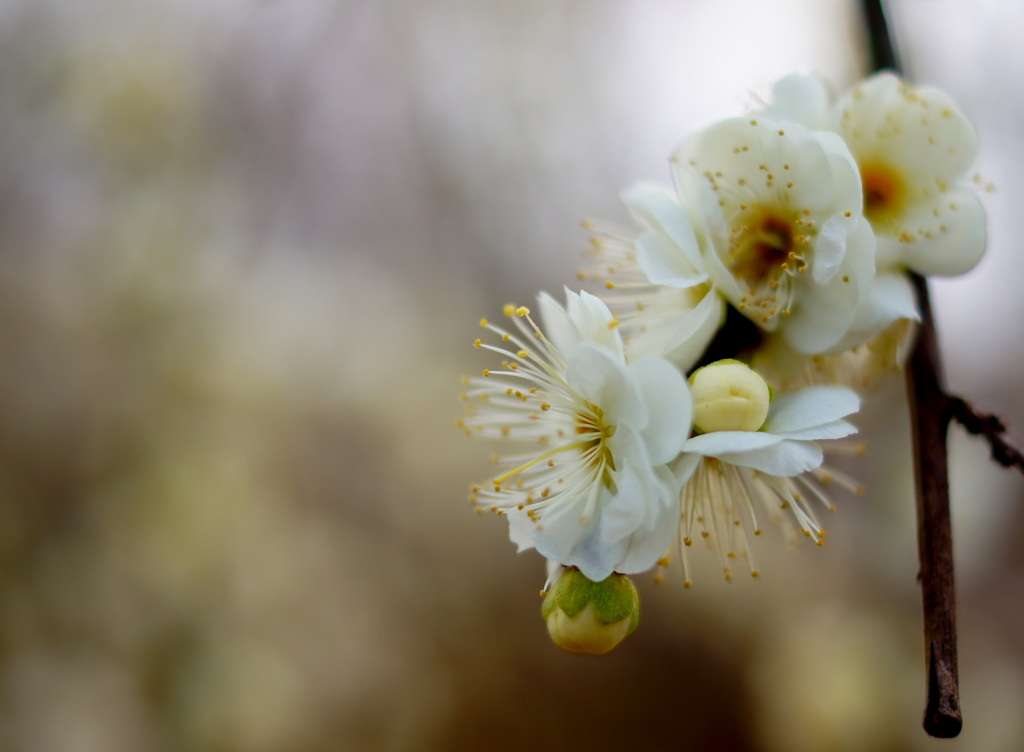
<point>931,410</point>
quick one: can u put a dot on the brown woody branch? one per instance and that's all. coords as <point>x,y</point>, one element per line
<point>989,427</point>
<point>930,414</point>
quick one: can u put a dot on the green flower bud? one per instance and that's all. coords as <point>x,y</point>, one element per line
<point>729,396</point>
<point>590,617</point>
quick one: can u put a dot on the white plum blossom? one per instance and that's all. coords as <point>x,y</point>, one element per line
<point>788,245</point>
<point>653,281</point>
<point>914,147</point>
<point>730,474</point>
<point>591,486</point>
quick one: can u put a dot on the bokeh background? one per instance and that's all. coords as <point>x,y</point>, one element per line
<point>244,245</point>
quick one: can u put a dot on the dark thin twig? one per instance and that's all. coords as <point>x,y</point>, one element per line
<point>990,428</point>
<point>931,410</point>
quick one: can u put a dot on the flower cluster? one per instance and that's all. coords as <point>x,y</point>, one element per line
<point>689,395</point>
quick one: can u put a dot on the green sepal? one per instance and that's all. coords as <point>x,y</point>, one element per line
<point>614,598</point>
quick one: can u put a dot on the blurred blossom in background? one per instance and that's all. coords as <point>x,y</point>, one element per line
<point>244,245</point>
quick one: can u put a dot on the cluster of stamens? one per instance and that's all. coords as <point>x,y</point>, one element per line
<point>766,251</point>
<point>529,400</point>
<point>719,506</point>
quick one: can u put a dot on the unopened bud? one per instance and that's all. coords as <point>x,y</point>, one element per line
<point>729,396</point>
<point>591,617</point>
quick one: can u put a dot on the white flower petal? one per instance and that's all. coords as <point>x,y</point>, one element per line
<point>520,529</point>
<point>664,262</point>
<point>696,330</point>
<point>783,459</point>
<point>835,429</point>
<point>889,298</point>
<point>829,249</point>
<point>729,442</point>
<point>624,511</point>
<point>601,379</point>
<point>563,529</point>
<point>810,408</point>
<point>558,327</point>
<point>684,467</point>
<point>660,210</point>
<point>647,545</point>
<point>597,559</point>
<point>594,322</point>
<point>802,98</point>
<point>669,408</point>
<point>959,242</point>
<point>826,312</point>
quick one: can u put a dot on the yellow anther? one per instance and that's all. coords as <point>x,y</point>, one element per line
<point>509,309</point>
<point>522,311</point>
<point>484,322</point>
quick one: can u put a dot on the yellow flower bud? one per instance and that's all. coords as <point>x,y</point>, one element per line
<point>729,396</point>
<point>591,617</point>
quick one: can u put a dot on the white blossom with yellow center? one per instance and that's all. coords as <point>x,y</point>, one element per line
<point>591,487</point>
<point>733,469</point>
<point>914,148</point>
<point>781,208</point>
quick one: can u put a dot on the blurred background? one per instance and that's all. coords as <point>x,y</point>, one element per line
<point>244,245</point>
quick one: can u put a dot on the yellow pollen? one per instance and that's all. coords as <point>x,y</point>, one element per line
<point>522,311</point>
<point>509,309</point>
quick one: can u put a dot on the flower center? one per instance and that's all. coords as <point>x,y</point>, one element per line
<point>595,433</point>
<point>883,192</point>
<point>765,251</point>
